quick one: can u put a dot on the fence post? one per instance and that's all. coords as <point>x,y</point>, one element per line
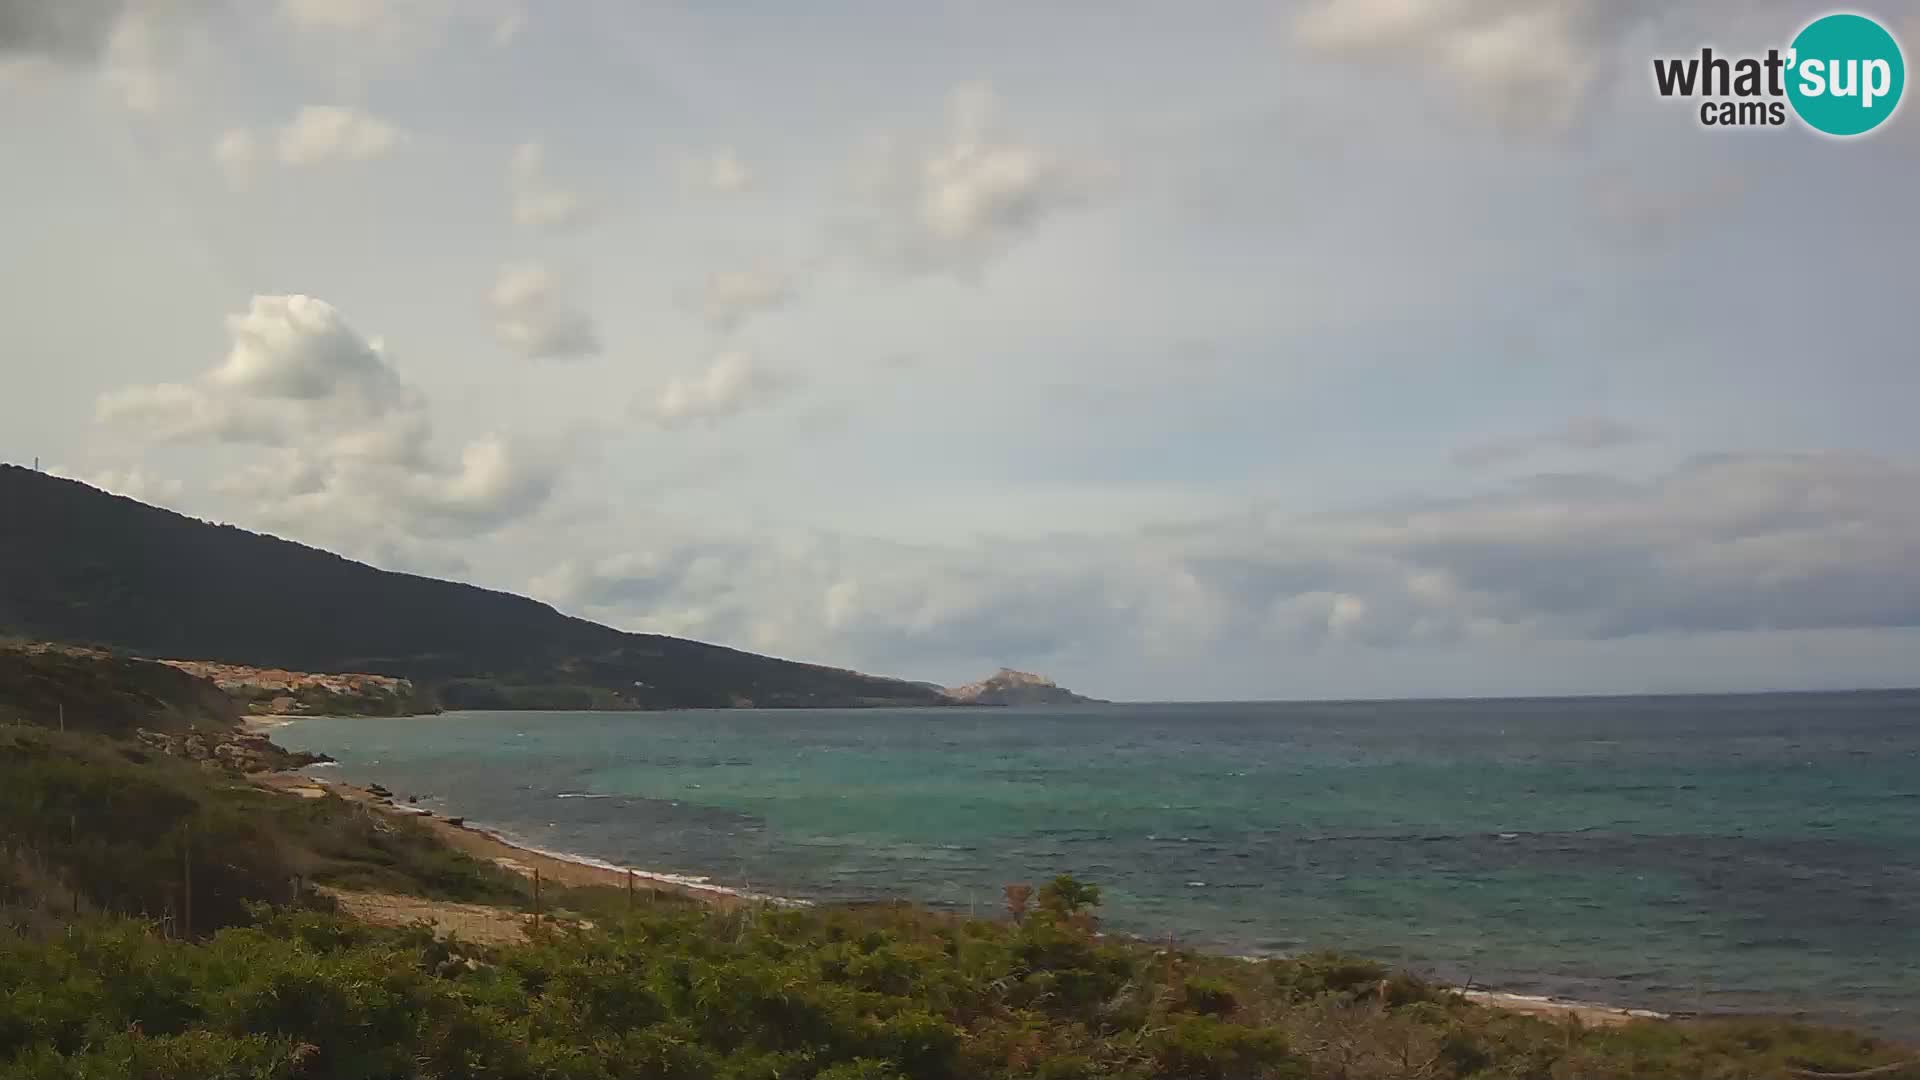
<point>629,892</point>
<point>186,882</point>
<point>536,895</point>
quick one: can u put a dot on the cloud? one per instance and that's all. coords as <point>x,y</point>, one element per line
<point>317,134</point>
<point>133,46</point>
<point>719,172</point>
<point>1725,544</point>
<point>392,29</point>
<point>1530,63</point>
<point>326,133</point>
<point>341,444</point>
<point>955,206</point>
<point>1581,433</point>
<point>538,202</point>
<point>534,320</point>
<point>73,30</point>
<point>731,384</point>
<point>236,153</point>
<point>134,482</point>
<point>731,297</point>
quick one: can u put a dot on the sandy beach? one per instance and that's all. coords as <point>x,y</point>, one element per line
<point>489,847</point>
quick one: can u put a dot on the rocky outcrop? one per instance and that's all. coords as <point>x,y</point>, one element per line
<point>1010,687</point>
<point>278,692</point>
<point>236,751</point>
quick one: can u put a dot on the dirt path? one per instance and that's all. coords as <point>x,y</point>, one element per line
<point>469,922</point>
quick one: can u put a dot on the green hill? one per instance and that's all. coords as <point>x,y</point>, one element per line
<point>77,690</point>
<point>79,565</point>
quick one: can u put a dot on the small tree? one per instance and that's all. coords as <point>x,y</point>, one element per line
<point>1017,896</point>
<point>1070,901</point>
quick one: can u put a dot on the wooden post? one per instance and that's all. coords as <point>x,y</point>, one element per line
<point>629,891</point>
<point>536,895</point>
<point>186,882</point>
<point>63,716</point>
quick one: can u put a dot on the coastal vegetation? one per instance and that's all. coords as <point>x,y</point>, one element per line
<point>670,991</point>
<point>168,919</point>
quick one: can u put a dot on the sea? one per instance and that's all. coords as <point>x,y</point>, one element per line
<point>1750,853</point>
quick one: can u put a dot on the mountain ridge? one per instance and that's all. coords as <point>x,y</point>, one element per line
<point>84,566</point>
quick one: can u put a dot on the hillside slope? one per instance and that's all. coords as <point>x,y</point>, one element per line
<point>79,565</point>
<point>80,690</point>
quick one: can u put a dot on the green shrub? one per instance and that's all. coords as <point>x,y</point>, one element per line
<point>1209,997</point>
<point>1204,1048</point>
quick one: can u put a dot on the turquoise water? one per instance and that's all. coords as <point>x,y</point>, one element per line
<point>1690,853</point>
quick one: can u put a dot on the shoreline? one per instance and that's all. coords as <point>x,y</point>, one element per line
<point>577,871</point>
<point>489,846</point>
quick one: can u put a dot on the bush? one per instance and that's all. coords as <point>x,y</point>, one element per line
<point>1209,997</point>
<point>1203,1048</point>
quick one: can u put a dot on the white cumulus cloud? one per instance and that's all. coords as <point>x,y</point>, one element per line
<point>1528,63</point>
<point>532,318</point>
<point>731,297</point>
<point>342,444</point>
<point>539,202</point>
<point>323,133</point>
<point>730,385</point>
<point>958,204</point>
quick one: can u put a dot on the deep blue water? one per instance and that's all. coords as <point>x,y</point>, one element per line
<point>1694,853</point>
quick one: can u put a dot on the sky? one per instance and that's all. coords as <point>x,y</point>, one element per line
<point>1340,348</point>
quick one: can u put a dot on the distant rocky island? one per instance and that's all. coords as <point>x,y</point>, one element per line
<point>1010,687</point>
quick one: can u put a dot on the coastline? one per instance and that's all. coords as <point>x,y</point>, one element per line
<point>582,871</point>
<point>572,871</point>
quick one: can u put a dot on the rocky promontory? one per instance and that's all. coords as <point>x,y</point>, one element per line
<point>1010,687</point>
<point>278,692</point>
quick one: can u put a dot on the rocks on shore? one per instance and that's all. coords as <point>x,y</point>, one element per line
<point>238,751</point>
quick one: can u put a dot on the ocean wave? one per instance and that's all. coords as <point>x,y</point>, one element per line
<point>581,795</point>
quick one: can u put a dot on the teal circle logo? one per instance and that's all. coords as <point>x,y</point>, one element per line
<point>1845,74</point>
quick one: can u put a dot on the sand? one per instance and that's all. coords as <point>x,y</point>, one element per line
<point>488,847</point>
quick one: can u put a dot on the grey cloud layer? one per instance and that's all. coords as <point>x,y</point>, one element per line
<point>71,30</point>
<point>1733,543</point>
<point>1580,433</point>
